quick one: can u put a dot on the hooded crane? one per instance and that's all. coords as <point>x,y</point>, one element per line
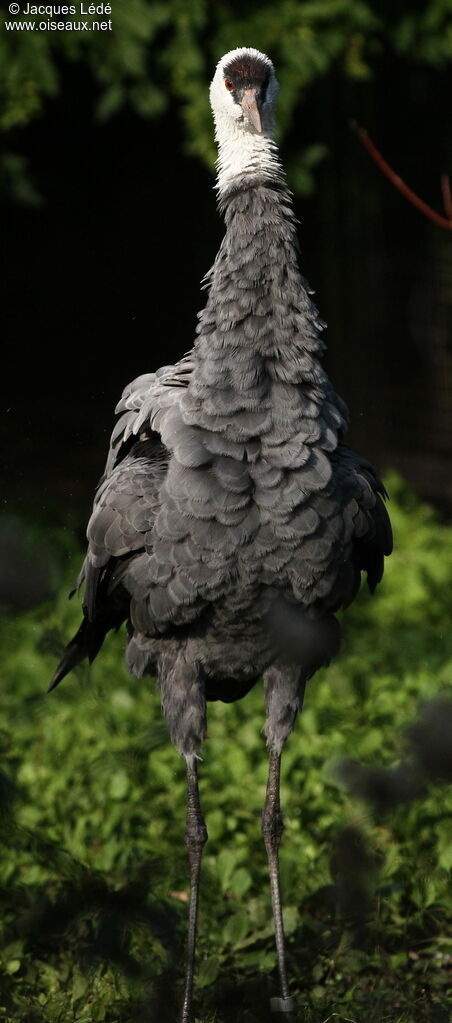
<point>231,521</point>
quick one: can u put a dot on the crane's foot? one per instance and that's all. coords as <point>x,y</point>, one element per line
<point>282,1004</point>
<point>284,1009</point>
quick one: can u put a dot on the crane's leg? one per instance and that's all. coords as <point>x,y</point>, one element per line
<point>184,706</point>
<point>283,697</point>
<point>195,839</point>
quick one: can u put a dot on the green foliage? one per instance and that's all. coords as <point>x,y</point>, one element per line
<point>427,35</point>
<point>15,181</point>
<point>92,862</point>
<point>158,52</point>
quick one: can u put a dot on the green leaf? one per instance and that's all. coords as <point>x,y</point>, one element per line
<point>236,928</point>
<point>227,861</point>
<point>12,965</point>
<point>79,984</point>
<point>291,916</point>
<point>148,100</point>
<point>240,882</point>
<point>111,100</point>
<point>119,785</point>
<point>208,971</point>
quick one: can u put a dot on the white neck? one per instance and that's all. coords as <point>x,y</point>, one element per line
<point>242,150</point>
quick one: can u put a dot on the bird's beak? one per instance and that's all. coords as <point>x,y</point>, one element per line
<point>250,106</point>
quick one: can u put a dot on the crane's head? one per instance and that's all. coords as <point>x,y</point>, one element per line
<point>244,90</point>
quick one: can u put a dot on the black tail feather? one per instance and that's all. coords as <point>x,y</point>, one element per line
<point>85,644</point>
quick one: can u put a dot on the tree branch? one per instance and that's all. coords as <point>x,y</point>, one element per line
<point>447,198</point>
<point>441,221</point>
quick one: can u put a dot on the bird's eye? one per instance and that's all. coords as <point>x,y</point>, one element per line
<point>228,84</point>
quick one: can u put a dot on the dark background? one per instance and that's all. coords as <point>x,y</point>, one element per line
<point>102,279</point>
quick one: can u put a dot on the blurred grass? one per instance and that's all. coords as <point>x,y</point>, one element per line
<point>93,881</point>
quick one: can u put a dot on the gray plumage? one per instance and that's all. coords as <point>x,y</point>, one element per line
<point>228,491</point>
<point>232,522</point>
